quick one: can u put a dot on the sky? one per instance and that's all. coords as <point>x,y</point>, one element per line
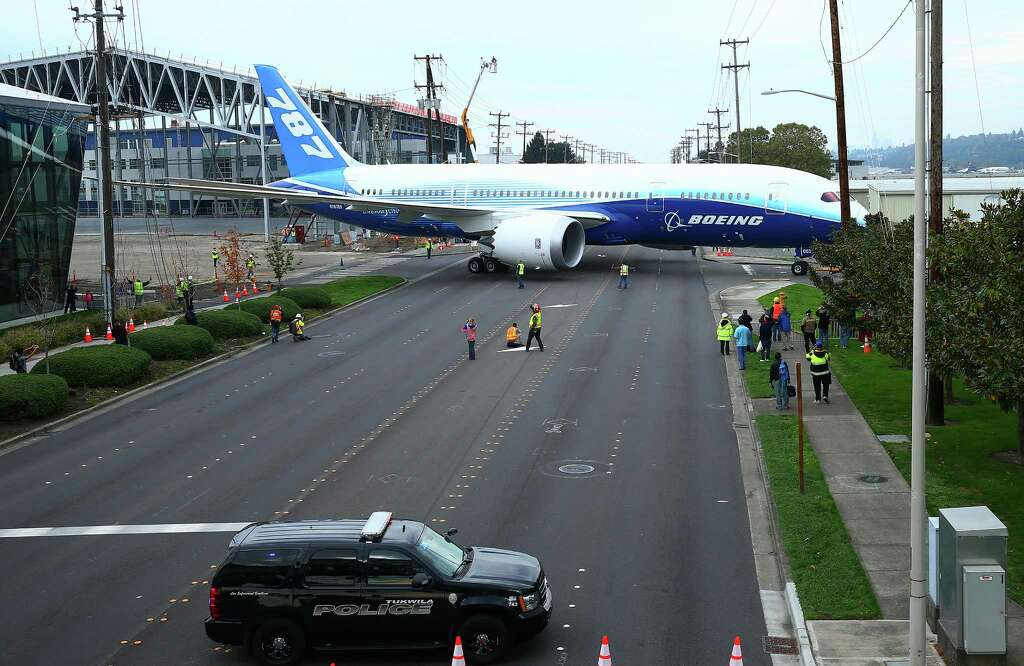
<point>625,76</point>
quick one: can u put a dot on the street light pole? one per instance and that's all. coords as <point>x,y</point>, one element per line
<point>918,552</point>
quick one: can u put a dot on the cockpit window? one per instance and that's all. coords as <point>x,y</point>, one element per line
<point>830,197</point>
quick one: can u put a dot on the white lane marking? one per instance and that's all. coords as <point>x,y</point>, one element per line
<point>748,269</point>
<point>514,349</point>
<point>95,530</point>
<point>559,305</point>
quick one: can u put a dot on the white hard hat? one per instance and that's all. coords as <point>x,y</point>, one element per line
<point>725,315</point>
<point>298,316</point>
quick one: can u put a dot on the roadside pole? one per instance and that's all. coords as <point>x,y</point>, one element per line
<point>263,165</point>
<point>918,548</point>
<point>800,423</point>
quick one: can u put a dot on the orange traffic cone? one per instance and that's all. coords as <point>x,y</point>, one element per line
<point>226,299</point>
<point>145,324</point>
<point>457,658</point>
<point>131,325</point>
<point>236,294</point>
<point>255,289</point>
<point>867,345</point>
<point>605,657</point>
<point>109,335</point>
<point>245,291</point>
<point>88,334</point>
<point>737,653</point>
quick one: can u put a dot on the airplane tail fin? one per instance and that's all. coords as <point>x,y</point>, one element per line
<point>306,143</point>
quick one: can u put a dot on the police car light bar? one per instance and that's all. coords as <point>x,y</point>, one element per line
<point>375,525</point>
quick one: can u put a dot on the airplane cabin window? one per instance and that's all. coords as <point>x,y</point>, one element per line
<point>746,196</point>
<point>830,197</point>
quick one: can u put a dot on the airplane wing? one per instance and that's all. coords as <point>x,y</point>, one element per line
<point>408,211</point>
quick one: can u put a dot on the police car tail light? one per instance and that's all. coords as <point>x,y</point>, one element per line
<point>214,603</point>
<point>375,525</point>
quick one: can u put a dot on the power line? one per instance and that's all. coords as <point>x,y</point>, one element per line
<point>884,34</point>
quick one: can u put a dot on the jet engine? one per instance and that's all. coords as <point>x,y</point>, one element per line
<point>545,240</point>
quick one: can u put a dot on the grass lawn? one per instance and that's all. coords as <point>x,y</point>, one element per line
<point>828,575</point>
<point>756,377</point>
<point>799,299</point>
<point>350,289</point>
<point>961,469</point>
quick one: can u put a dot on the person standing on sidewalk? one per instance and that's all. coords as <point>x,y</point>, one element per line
<point>215,255</point>
<point>847,320</point>
<point>724,331</point>
<point>623,276</point>
<point>778,377</point>
<point>520,272</point>
<point>139,288</point>
<point>742,336</point>
<point>430,248</point>
<point>776,316</point>
<point>469,328</point>
<point>765,330</point>
<point>823,322</point>
<point>88,298</point>
<point>70,298</point>
<point>807,326</point>
<point>746,320</point>
<point>786,327</point>
<point>821,375</point>
<point>535,321</point>
<point>276,315</point>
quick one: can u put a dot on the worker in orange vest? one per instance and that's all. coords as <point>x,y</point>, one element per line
<point>275,321</point>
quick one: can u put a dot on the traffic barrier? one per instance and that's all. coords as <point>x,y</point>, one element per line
<point>131,325</point>
<point>109,335</point>
<point>457,658</point>
<point>88,334</point>
<point>226,299</point>
<point>867,345</point>
<point>737,653</point>
<point>605,657</point>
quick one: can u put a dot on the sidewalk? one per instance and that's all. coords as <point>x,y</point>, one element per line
<point>876,514</point>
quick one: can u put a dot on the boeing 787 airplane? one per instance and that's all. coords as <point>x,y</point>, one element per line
<point>542,214</point>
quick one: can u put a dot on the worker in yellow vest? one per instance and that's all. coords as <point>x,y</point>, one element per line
<point>430,248</point>
<point>725,330</point>
<point>520,272</point>
<point>534,328</point>
<point>623,276</point>
<point>821,374</point>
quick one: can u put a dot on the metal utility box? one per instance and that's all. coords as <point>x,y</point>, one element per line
<point>970,537</point>
<point>984,609</point>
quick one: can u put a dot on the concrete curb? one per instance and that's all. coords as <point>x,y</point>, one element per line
<point>796,614</point>
<point>11,443</point>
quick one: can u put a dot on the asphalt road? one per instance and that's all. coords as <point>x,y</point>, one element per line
<point>382,410</point>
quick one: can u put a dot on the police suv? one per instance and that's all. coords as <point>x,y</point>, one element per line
<point>376,583</point>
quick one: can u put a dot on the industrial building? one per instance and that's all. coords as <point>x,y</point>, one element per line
<point>173,118</point>
<point>41,146</point>
<point>894,197</point>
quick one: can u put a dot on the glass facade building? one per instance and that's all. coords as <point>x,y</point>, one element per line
<point>42,141</point>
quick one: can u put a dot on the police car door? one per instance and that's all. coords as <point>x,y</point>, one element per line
<point>404,612</point>
<point>330,594</point>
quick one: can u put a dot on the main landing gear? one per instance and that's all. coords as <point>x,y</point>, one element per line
<point>485,264</point>
<point>800,267</point>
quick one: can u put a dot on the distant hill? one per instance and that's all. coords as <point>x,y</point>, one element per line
<point>974,151</point>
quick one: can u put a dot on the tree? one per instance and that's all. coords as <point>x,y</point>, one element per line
<point>231,255</point>
<point>753,145</point>
<point>799,147</point>
<point>280,258</point>
<point>534,150</point>
<point>981,307</point>
<point>41,297</point>
<point>560,152</point>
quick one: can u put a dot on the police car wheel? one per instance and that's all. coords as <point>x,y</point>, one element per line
<point>279,643</point>
<point>485,639</point>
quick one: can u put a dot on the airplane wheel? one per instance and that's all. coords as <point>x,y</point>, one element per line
<point>799,268</point>
<point>475,265</point>
<point>491,266</point>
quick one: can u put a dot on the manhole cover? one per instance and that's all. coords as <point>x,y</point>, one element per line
<point>576,468</point>
<point>872,478</point>
<point>779,645</point>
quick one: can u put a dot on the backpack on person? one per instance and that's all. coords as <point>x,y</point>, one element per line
<point>292,328</point>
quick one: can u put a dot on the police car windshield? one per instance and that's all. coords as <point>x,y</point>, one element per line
<point>442,554</point>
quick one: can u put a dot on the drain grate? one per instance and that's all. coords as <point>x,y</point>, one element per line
<point>873,478</point>
<point>779,645</point>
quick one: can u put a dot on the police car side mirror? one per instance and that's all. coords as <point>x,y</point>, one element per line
<point>421,580</point>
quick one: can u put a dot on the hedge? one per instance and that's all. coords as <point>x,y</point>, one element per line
<point>261,307</point>
<point>102,365</point>
<point>308,297</point>
<point>165,343</point>
<point>31,396</point>
<point>229,323</point>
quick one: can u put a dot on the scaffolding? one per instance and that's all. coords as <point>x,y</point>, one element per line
<point>380,130</point>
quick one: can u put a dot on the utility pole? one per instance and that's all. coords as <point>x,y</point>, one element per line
<point>837,68</point>
<point>432,102</point>
<point>547,141</point>
<point>696,133</point>
<point>736,82</point>
<point>707,129</point>
<point>576,152</point>
<point>103,165</point>
<point>936,394</point>
<point>719,148</point>
<point>525,129</point>
<point>918,549</point>
<point>497,134</point>
<point>565,148</point>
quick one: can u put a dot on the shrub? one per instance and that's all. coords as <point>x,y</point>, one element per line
<point>149,312</point>
<point>261,307</point>
<point>31,396</point>
<point>224,324</point>
<point>308,297</point>
<point>102,365</point>
<point>68,332</point>
<point>165,343</point>
<point>21,338</point>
